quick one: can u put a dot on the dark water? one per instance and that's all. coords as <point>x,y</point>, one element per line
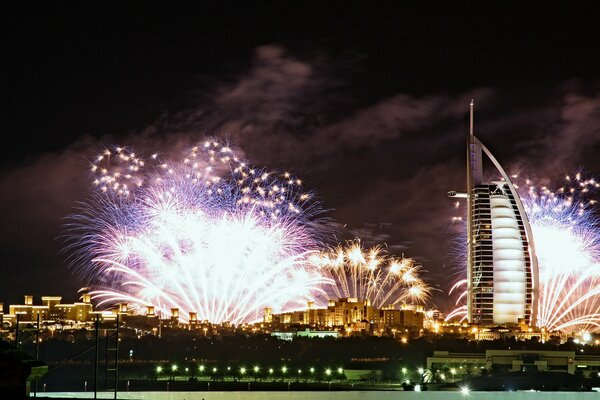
<point>355,395</point>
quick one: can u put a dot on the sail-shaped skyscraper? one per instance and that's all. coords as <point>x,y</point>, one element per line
<point>502,268</point>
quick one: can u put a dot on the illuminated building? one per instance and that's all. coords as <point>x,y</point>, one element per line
<point>315,316</point>
<point>309,316</point>
<point>408,318</point>
<point>463,364</point>
<point>352,316</point>
<point>268,316</point>
<point>502,268</point>
<point>339,313</point>
<point>347,311</point>
<point>51,310</point>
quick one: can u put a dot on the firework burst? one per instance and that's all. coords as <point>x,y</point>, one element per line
<point>208,234</point>
<point>566,236</point>
<point>370,274</point>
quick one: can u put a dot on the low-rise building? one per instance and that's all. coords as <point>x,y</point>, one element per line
<point>352,315</point>
<point>460,365</point>
<point>51,310</point>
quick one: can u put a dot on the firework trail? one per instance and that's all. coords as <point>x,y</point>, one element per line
<point>567,239</point>
<point>370,274</point>
<point>208,234</point>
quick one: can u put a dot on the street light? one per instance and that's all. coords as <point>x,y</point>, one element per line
<point>174,367</point>
<point>202,368</point>
<point>340,370</point>
<point>404,371</point>
<point>328,372</point>
<point>421,371</point>
<point>312,370</point>
<point>256,369</point>
<point>159,369</point>
<point>242,370</point>
<point>465,390</point>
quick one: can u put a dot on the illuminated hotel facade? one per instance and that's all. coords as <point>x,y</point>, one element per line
<point>502,268</point>
<point>352,315</point>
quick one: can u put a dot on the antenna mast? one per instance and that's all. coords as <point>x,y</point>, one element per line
<point>471,119</point>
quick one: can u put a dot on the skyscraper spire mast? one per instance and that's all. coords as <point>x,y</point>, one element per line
<point>474,178</point>
<point>471,119</point>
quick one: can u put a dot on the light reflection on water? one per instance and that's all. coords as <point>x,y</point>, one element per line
<point>354,395</point>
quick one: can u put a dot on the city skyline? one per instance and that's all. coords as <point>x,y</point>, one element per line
<point>380,155</point>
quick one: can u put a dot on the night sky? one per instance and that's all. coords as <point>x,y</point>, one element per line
<point>367,103</point>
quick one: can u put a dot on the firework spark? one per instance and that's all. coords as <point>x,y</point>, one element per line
<point>206,234</point>
<point>370,274</point>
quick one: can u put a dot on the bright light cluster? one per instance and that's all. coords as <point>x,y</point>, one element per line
<point>208,234</point>
<point>509,261</point>
<point>370,274</point>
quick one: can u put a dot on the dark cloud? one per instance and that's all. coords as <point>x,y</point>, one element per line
<point>36,196</point>
<point>577,131</point>
<point>268,92</point>
<point>383,169</point>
